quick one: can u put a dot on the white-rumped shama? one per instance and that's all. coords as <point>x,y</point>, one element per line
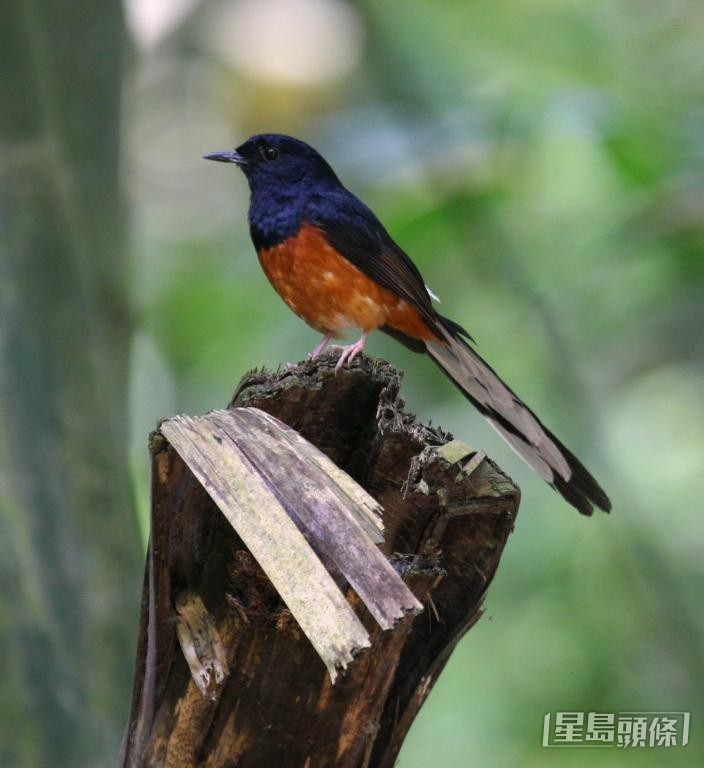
<point>335,265</point>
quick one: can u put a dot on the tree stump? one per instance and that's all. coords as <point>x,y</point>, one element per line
<point>447,514</point>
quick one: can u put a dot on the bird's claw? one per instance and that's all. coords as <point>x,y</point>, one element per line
<point>320,346</point>
<point>349,353</point>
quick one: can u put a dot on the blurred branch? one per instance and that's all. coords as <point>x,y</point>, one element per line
<point>67,508</point>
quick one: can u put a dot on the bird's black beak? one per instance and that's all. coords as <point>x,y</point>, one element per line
<point>232,156</point>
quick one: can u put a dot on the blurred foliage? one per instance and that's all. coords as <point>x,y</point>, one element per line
<point>543,163</point>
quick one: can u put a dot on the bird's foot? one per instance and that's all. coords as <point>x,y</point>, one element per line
<point>349,353</point>
<point>320,346</point>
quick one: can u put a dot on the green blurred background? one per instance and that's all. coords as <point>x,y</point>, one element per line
<point>543,163</point>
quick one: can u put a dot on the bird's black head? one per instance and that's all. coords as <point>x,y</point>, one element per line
<point>273,159</point>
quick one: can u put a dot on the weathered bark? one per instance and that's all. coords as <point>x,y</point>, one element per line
<point>309,526</point>
<point>445,529</point>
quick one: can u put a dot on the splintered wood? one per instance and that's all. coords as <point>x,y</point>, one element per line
<point>266,554</point>
<point>295,510</point>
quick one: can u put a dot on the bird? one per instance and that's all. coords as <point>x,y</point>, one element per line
<point>335,265</point>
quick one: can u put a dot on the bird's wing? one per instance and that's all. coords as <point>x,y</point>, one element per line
<point>354,231</point>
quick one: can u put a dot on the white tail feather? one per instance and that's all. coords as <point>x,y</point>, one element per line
<point>475,377</point>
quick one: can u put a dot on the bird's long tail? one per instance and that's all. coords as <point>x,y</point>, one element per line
<point>514,421</point>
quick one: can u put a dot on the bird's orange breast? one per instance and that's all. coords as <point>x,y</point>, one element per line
<point>327,291</point>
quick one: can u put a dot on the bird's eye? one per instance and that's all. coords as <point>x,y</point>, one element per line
<point>269,153</point>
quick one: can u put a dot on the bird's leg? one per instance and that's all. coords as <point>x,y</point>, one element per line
<point>321,345</point>
<point>349,353</point>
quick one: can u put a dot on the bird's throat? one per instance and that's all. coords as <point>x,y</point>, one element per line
<point>274,217</point>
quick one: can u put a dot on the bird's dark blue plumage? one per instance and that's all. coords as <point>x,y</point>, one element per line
<point>283,189</point>
<point>333,262</point>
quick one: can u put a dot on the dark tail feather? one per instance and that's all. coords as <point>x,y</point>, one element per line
<point>515,422</point>
<point>581,490</point>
